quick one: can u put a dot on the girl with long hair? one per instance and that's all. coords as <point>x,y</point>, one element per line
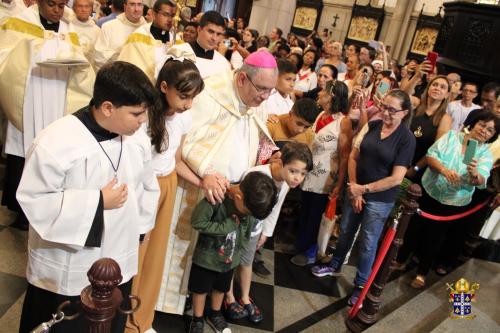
<point>178,83</point>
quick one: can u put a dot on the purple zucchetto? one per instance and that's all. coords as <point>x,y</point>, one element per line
<point>261,59</point>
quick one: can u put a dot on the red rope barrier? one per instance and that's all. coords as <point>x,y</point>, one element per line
<point>386,243</point>
<point>452,217</point>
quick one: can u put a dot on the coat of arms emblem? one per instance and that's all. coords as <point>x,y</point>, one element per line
<point>462,294</point>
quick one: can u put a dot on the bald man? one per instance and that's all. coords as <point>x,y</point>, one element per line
<point>114,33</point>
<point>85,27</point>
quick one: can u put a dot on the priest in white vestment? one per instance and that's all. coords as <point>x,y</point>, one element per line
<point>228,136</point>
<point>114,33</point>
<point>38,80</point>
<point>85,27</point>
<point>147,46</point>
<point>210,33</point>
<point>9,8</point>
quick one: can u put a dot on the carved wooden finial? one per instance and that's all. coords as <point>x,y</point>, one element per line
<point>104,276</point>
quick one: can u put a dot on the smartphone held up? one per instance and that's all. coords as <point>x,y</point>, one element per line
<point>432,58</point>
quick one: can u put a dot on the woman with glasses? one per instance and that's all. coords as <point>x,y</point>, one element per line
<point>448,185</point>
<point>429,123</point>
<point>331,146</point>
<point>377,164</point>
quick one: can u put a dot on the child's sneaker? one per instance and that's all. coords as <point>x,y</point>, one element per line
<point>234,311</point>
<point>254,314</point>
<point>325,270</point>
<point>217,321</point>
<point>355,296</point>
<point>196,326</point>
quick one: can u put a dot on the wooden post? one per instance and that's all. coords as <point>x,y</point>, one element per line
<point>102,298</point>
<point>368,315</point>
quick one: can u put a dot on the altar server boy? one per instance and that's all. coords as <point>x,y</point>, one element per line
<point>88,191</point>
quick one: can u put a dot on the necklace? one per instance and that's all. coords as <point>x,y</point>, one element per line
<point>109,158</point>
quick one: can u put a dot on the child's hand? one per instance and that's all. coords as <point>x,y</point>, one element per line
<point>273,118</point>
<point>261,241</point>
<point>114,197</point>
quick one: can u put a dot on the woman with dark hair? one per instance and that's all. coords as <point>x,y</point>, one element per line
<point>352,50</point>
<point>378,162</point>
<point>429,123</point>
<point>326,73</point>
<point>331,146</point>
<point>296,59</point>
<point>249,39</point>
<point>178,82</point>
<point>263,41</point>
<point>306,77</point>
<point>243,47</point>
<point>448,185</point>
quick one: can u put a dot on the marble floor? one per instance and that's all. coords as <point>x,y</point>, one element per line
<point>292,300</point>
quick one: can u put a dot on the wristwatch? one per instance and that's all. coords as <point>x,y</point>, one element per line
<point>416,168</point>
<point>367,189</point>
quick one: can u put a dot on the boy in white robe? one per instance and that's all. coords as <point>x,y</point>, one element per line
<point>88,191</point>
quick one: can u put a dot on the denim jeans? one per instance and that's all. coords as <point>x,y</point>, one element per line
<point>372,219</point>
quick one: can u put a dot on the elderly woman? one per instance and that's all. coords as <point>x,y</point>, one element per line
<point>448,185</point>
<point>377,164</point>
<point>333,56</point>
<point>330,148</point>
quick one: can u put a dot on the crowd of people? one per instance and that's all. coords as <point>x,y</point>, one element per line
<point>172,145</point>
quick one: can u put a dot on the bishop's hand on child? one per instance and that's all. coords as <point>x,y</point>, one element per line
<point>214,185</point>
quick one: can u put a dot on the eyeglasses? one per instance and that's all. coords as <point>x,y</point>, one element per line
<point>392,111</point>
<point>489,130</point>
<point>261,91</point>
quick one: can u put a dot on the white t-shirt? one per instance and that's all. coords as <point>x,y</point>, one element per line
<point>177,126</point>
<point>267,225</point>
<point>277,104</point>
<point>306,80</point>
<point>459,113</point>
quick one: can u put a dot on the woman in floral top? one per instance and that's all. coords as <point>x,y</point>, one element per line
<point>448,185</point>
<point>331,146</point>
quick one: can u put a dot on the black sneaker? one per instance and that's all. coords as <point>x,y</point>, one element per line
<point>260,269</point>
<point>196,326</point>
<point>218,323</point>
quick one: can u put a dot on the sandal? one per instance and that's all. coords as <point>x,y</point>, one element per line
<point>418,282</point>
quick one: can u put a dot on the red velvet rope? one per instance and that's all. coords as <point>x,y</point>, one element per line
<point>386,243</point>
<point>452,217</point>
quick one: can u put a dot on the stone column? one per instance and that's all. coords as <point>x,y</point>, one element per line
<point>267,14</point>
<point>398,28</point>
